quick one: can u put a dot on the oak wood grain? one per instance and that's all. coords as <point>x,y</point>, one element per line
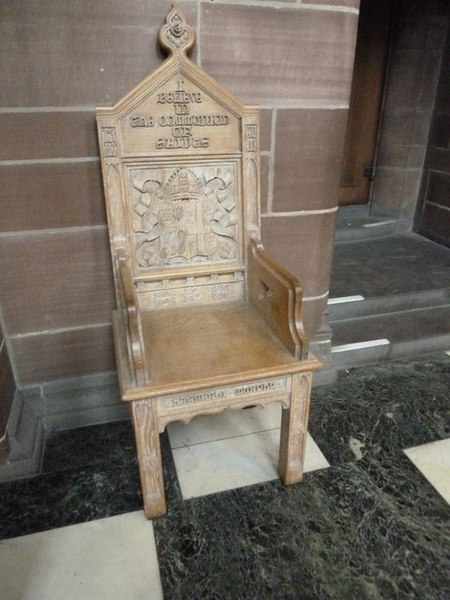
<point>206,320</point>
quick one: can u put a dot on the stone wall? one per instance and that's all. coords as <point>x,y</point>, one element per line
<point>60,59</point>
<point>433,210</point>
<point>418,39</point>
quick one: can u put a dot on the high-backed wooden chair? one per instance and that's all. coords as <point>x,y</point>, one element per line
<point>206,321</point>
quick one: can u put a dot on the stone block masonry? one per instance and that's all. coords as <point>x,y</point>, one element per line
<point>71,57</point>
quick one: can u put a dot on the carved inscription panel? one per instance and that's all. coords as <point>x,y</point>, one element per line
<point>252,390</point>
<point>185,215</point>
<point>180,118</point>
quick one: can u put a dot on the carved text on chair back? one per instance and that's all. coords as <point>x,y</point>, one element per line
<point>180,158</point>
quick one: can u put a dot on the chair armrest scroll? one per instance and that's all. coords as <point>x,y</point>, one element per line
<point>277,296</point>
<point>130,311</point>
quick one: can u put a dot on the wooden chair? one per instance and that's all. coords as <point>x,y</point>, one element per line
<point>206,320</point>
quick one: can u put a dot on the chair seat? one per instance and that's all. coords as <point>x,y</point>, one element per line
<point>225,342</point>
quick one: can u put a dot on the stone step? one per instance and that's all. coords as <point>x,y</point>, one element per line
<point>360,229</point>
<point>352,307</point>
<point>396,265</point>
<point>374,339</point>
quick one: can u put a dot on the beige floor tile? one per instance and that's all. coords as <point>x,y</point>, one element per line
<point>108,559</point>
<point>229,423</point>
<point>210,467</point>
<point>433,461</point>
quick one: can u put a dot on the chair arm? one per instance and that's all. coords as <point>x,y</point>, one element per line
<point>130,310</point>
<point>277,296</point>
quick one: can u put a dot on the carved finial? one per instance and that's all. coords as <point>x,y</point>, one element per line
<point>176,36</point>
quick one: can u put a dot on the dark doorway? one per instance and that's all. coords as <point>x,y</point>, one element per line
<point>433,207</point>
<point>365,102</point>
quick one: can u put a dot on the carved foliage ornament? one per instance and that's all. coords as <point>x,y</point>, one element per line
<point>176,36</point>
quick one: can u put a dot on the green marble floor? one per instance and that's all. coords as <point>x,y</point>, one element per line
<point>370,526</point>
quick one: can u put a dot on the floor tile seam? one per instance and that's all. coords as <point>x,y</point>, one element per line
<point>317,472</point>
<point>241,490</point>
<point>422,472</point>
<point>233,437</point>
<point>250,486</point>
<point>427,443</point>
<point>77,523</point>
<point>396,451</point>
<point>77,520</point>
<point>401,449</point>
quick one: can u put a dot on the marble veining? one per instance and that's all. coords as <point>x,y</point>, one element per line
<point>88,445</point>
<point>389,407</point>
<point>369,527</point>
<point>368,530</point>
<point>81,482</point>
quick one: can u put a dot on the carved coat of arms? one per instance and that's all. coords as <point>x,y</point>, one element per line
<point>184,215</point>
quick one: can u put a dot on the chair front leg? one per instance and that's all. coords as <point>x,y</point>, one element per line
<point>294,428</point>
<point>146,430</point>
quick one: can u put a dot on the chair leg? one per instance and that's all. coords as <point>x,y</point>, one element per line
<point>146,430</point>
<point>294,427</point>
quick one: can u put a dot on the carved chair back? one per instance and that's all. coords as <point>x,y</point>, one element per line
<point>180,161</point>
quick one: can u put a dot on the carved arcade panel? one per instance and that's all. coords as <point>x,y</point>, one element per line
<point>185,215</point>
<point>200,289</point>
